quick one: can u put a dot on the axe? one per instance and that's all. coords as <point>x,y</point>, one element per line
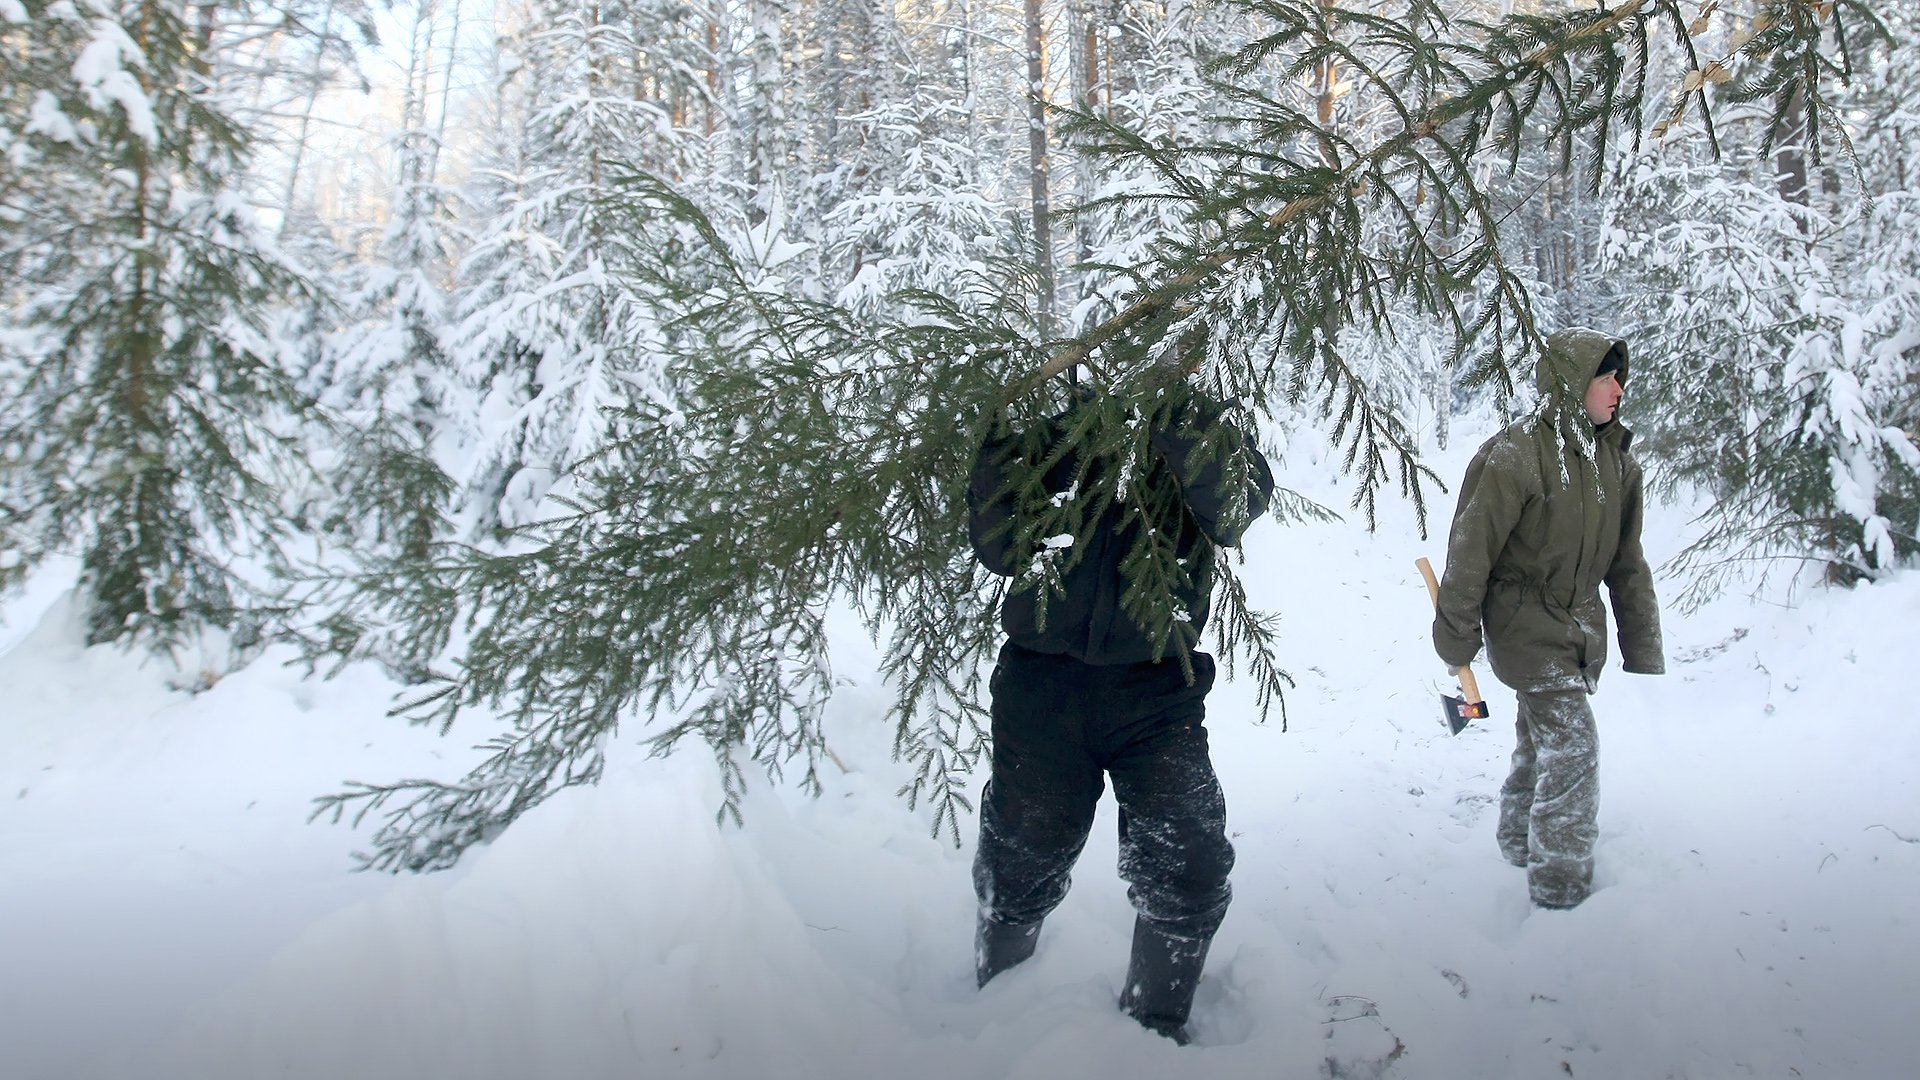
<point>1456,710</point>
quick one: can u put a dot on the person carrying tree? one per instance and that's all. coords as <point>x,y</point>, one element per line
<point>1550,508</point>
<point>1087,686</point>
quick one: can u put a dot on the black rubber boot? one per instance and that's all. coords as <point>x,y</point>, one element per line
<point>998,946</point>
<point>1161,979</point>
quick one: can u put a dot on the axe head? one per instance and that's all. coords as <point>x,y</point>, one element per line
<point>1458,711</point>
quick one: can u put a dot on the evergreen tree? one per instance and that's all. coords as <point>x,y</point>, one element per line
<point>390,380</point>
<point>811,456</point>
<point>388,385</point>
<point>1154,87</point>
<point>549,331</point>
<point>758,139</point>
<point>902,205</point>
<point>1781,326</point>
<point>146,418</point>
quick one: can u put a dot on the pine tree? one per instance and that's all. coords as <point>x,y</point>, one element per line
<point>1779,318</point>
<point>902,205</point>
<point>1153,86</point>
<point>390,381</point>
<point>546,335</point>
<point>811,456</point>
<point>146,419</point>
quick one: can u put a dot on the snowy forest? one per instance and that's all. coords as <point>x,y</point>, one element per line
<point>572,359</point>
<point>526,442</point>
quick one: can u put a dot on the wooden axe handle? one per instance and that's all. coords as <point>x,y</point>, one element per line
<point>1469,686</point>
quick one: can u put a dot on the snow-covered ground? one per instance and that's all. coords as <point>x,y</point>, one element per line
<point>165,911</point>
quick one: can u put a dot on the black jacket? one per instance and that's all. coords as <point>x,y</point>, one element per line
<point>1084,618</point>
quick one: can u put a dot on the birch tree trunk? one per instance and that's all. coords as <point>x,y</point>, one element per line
<point>305,134</point>
<point>1083,31</point>
<point>446,90</point>
<point>1037,161</point>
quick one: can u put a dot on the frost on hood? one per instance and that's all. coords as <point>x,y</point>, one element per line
<point>1565,367</point>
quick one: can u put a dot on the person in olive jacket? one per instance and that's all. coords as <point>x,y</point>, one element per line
<point>1550,508</point>
<point>1082,693</point>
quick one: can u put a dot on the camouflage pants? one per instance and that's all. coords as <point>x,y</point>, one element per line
<point>1550,804</point>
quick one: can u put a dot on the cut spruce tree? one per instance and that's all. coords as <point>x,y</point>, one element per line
<point>796,457</point>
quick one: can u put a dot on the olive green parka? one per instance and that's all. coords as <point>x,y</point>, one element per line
<point>1550,508</point>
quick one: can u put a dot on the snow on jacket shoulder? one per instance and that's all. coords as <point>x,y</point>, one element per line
<point>1079,573</point>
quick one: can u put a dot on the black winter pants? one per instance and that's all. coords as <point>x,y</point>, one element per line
<point>1060,727</point>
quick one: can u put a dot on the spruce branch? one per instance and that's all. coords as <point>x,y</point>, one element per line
<point>787,457</point>
<point>1249,637</point>
<point>1464,98</point>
